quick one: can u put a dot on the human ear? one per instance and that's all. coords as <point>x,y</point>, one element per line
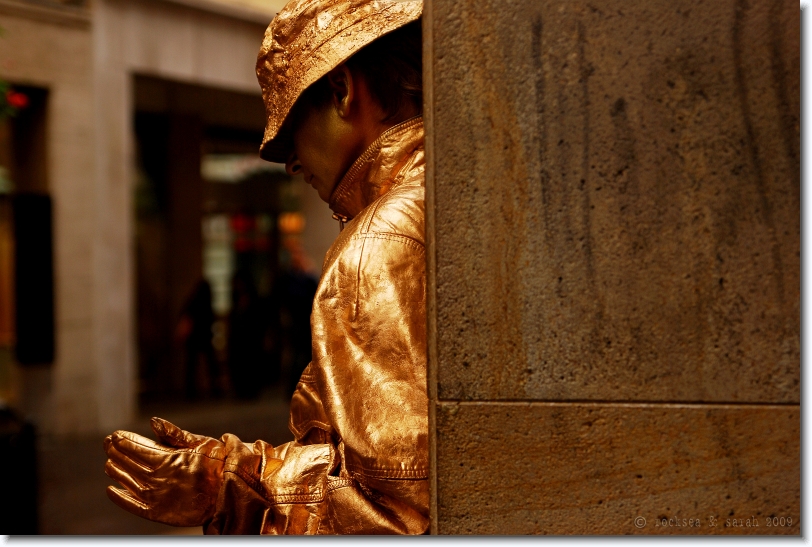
<point>293,166</point>
<point>342,89</point>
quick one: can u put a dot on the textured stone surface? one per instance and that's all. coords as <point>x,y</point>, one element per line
<point>555,468</point>
<point>616,199</point>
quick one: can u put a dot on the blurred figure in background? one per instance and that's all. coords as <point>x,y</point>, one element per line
<point>297,289</point>
<point>245,337</point>
<point>194,330</point>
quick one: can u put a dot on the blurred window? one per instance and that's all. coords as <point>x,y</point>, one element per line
<point>219,260</point>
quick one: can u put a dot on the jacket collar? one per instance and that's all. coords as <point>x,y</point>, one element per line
<point>376,170</point>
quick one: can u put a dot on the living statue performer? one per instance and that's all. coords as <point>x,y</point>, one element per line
<point>341,81</point>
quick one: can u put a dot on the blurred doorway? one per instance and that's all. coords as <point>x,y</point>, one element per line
<point>210,255</point>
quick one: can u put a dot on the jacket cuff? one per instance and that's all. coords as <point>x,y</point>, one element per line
<point>271,490</point>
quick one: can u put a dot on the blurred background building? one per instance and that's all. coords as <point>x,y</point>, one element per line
<point>150,262</point>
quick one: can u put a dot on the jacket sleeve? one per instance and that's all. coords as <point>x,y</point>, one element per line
<point>359,464</point>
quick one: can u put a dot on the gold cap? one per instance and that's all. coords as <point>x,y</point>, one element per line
<point>305,41</point>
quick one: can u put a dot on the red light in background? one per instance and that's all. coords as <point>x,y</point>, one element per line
<point>17,100</point>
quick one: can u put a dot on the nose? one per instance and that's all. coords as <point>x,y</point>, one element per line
<point>293,166</point>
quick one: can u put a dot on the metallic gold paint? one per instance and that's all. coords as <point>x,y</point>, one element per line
<point>359,461</point>
<point>306,40</point>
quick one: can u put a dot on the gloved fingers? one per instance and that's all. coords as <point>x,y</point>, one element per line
<point>127,501</point>
<point>126,462</point>
<point>140,450</point>
<point>125,479</point>
<point>172,435</point>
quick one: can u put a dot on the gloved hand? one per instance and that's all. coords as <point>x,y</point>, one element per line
<point>175,484</point>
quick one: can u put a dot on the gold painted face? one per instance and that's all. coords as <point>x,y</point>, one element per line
<point>322,149</point>
<point>328,138</point>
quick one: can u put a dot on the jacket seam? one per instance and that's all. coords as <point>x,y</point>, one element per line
<point>395,180</point>
<point>398,178</point>
<point>279,499</point>
<point>356,304</point>
<point>314,497</point>
<point>388,473</point>
<point>235,469</point>
<point>407,240</point>
<point>340,483</point>
<point>365,228</point>
<point>299,433</point>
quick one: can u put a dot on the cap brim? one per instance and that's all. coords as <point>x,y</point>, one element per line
<point>278,149</point>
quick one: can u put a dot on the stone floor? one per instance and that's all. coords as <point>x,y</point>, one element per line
<point>71,470</point>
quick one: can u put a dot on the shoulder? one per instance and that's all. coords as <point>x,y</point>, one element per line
<point>399,212</point>
<point>391,229</point>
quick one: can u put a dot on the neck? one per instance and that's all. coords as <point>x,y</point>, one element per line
<point>370,117</point>
<point>377,168</point>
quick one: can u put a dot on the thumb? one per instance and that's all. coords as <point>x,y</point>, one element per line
<point>169,433</point>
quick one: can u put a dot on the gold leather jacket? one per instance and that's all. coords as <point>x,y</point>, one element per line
<point>359,461</point>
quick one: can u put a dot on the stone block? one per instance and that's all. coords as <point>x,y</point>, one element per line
<point>617,192</point>
<point>590,468</point>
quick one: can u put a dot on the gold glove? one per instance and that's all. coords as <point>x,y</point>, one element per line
<point>176,484</point>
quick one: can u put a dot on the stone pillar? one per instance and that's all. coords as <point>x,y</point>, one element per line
<point>113,310</point>
<point>614,266</point>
